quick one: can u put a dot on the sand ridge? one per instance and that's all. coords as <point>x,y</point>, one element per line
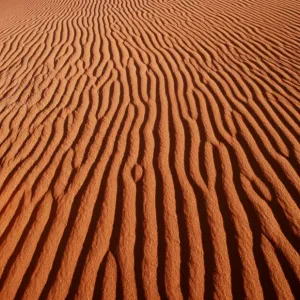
<point>149,149</point>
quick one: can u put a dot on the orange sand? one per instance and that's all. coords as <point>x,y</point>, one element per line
<point>149,149</point>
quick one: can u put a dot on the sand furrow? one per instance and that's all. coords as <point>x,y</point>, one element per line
<point>149,149</point>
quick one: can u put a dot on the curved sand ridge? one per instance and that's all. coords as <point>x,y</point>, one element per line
<point>149,149</point>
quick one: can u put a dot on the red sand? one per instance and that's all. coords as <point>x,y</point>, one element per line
<point>149,149</point>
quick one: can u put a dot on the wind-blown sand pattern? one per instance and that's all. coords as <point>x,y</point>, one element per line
<point>149,149</point>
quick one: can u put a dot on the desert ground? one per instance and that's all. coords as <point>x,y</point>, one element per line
<point>149,149</point>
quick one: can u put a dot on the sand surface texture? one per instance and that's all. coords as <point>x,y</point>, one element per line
<point>149,149</point>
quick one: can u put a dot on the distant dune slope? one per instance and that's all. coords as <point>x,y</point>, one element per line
<point>149,149</point>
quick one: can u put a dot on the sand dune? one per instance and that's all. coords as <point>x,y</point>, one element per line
<point>149,149</point>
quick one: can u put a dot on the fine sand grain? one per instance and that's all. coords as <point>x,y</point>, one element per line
<point>149,149</point>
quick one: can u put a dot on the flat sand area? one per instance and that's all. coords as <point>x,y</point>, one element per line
<point>149,149</point>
